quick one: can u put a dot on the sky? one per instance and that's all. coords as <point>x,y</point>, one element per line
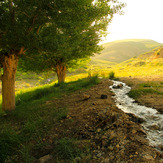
<point>142,19</point>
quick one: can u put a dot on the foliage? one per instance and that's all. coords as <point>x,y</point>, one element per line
<point>74,35</point>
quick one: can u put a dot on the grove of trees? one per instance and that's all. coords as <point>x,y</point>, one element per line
<point>52,34</point>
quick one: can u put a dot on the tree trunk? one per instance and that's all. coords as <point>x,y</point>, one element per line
<point>61,72</point>
<point>8,82</point>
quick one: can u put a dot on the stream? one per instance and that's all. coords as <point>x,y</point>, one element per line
<point>153,121</point>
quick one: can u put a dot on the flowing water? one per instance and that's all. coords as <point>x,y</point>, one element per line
<point>153,121</point>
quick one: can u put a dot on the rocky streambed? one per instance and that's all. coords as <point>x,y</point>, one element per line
<point>152,121</point>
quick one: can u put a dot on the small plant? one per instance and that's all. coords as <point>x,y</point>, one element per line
<point>111,75</point>
<point>66,149</point>
<point>9,143</point>
<point>60,113</point>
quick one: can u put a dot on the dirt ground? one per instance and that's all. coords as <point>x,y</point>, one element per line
<point>112,135</point>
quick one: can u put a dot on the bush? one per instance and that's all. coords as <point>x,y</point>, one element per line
<point>111,75</point>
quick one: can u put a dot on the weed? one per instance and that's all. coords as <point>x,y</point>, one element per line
<point>111,75</point>
<point>145,85</point>
<point>9,142</point>
<point>66,149</point>
<point>138,92</point>
<point>25,155</point>
<point>60,113</point>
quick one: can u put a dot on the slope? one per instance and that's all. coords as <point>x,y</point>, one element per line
<point>150,63</point>
<point>119,51</point>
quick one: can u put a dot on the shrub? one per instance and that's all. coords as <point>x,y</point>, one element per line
<point>111,75</point>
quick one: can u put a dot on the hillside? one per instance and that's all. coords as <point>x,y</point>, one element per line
<point>154,57</point>
<point>149,63</point>
<point>119,51</point>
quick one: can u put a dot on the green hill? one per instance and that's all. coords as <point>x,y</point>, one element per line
<point>154,56</point>
<point>119,51</point>
<point>149,63</point>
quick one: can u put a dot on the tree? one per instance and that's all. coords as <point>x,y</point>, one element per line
<point>25,27</point>
<point>74,35</point>
<point>20,22</point>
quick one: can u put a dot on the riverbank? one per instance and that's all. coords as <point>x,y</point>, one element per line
<point>147,91</point>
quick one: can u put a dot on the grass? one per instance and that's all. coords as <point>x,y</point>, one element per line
<point>146,88</point>
<point>66,149</point>
<point>138,92</point>
<point>23,131</point>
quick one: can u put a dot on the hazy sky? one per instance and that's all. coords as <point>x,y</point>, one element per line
<point>143,19</point>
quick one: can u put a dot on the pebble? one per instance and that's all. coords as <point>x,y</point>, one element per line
<point>107,160</point>
<point>111,148</point>
<point>46,158</point>
<point>99,130</point>
<point>117,146</point>
<point>99,154</point>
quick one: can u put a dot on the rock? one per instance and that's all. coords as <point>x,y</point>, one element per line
<point>112,135</point>
<point>107,160</point>
<point>99,154</point>
<point>46,159</point>
<point>148,157</point>
<point>119,86</point>
<point>117,146</point>
<point>154,127</point>
<point>161,155</point>
<point>99,130</point>
<point>135,119</point>
<point>86,97</point>
<point>111,148</point>
<point>161,147</point>
<point>104,137</point>
<point>77,159</point>
<point>134,131</point>
<point>104,96</point>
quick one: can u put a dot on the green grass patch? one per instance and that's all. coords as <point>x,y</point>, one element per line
<point>23,130</point>
<point>150,84</point>
<point>66,149</point>
<point>138,92</point>
<point>48,91</point>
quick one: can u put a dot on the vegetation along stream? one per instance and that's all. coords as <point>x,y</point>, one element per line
<point>152,120</point>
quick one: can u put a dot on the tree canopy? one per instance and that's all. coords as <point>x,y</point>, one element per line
<point>51,32</point>
<point>75,34</point>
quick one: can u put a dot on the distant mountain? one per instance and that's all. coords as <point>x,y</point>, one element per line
<point>119,51</point>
